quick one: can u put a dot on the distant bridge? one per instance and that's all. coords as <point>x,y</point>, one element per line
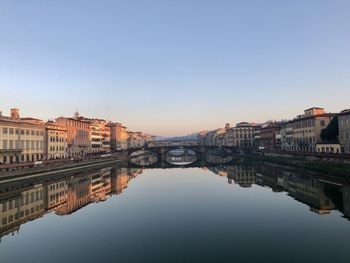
<point>175,143</point>
<point>162,148</point>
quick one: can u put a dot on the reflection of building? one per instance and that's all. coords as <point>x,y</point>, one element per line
<point>219,156</point>
<point>63,196</point>
<point>307,190</point>
<point>21,139</point>
<point>21,207</point>
<point>346,201</point>
<point>241,174</point>
<point>55,194</point>
<point>268,176</point>
<point>101,185</point>
<point>78,195</point>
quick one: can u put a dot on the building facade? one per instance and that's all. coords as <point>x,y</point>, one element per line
<point>307,129</point>
<point>119,136</point>
<point>268,135</point>
<point>287,137</point>
<point>78,136</point>
<point>21,139</point>
<point>100,136</point>
<point>344,131</point>
<point>240,136</point>
<point>55,141</point>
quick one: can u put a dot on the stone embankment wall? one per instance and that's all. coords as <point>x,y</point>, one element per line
<point>115,157</point>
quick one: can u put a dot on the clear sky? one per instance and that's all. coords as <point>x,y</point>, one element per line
<point>173,67</point>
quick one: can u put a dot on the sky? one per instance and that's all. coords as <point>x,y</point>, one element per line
<point>171,67</point>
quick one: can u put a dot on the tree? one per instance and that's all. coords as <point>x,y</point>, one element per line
<point>331,132</point>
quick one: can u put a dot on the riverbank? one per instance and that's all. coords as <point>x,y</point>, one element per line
<point>45,170</point>
<point>329,167</point>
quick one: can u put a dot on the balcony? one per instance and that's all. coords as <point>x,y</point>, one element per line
<point>11,150</point>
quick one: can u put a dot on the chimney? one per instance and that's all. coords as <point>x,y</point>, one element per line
<point>15,114</point>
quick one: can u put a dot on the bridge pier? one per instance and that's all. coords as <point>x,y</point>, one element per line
<point>162,155</point>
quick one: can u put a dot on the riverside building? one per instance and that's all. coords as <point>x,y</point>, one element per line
<point>78,135</point>
<point>21,139</point>
<point>55,141</point>
<point>344,130</point>
<point>303,133</point>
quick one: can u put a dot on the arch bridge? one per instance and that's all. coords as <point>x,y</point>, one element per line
<point>161,148</point>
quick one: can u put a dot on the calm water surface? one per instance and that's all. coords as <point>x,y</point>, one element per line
<point>239,213</point>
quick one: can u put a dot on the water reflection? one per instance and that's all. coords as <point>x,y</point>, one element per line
<point>320,194</point>
<point>219,156</point>
<point>62,197</point>
<point>143,158</point>
<point>181,156</point>
<point>69,194</point>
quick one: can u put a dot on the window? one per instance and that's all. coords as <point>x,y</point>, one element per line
<point>323,123</point>
<point>4,207</point>
<point>4,130</point>
<point>11,130</point>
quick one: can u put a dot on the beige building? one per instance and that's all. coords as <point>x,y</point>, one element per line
<point>119,136</point>
<point>139,140</point>
<point>55,141</point>
<point>287,137</point>
<point>328,148</point>
<point>78,135</point>
<point>21,139</point>
<point>307,129</point>
<point>100,136</point>
<point>344,131</point>
<point>240,136</point>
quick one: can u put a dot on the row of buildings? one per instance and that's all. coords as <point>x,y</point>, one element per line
<point>314,131</point>
<point>31,139</point>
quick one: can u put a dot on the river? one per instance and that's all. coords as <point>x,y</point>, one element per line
<point>241,212</point>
